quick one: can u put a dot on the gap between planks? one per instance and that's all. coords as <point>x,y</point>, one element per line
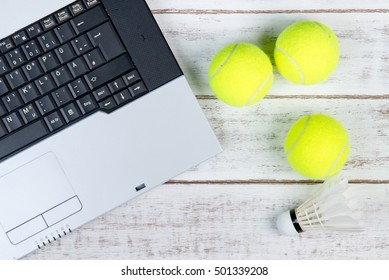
<point>268,182</point>
<point>317,11</point>
<point>349,97</point>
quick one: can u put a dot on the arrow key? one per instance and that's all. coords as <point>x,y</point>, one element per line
<point>116,85</point>
<point>122,96</point>
<point>138,89</point>
<point>108,104</point>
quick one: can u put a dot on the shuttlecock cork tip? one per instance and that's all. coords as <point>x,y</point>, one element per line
<point>287,224</point>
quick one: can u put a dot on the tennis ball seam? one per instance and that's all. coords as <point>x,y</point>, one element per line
<point>337,159</point>
<point>328,35</point>
<point>299,136</point>
<point>294,62</point>
<point>255,95</point>
<point>224,62</point>
<point>302,133</point>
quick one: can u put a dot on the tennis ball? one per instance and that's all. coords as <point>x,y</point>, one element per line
<point>317,146</point>
<point>306,52</point>
<point>240,74</point>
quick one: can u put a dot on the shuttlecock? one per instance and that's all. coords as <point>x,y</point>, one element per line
<point>332,208</point>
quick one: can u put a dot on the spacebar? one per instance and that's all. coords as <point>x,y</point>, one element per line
<point>22,138</point>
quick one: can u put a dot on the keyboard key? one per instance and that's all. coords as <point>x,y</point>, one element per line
<point>31,50</point>
<point>3,131</point>
<point>32,70</point>
<point>86,104</point>
<point>20,38</point>
<point>28,93</point>
<point>45,105</point>
<point>137,89</point>
<point>65,53</point>
<point>91,3</point>
<point>81,44</point>
<point>77,42</point>
<point>12,101</point>
<point>107,40</point>
<point>15,58</point>
<point>108,104</point>
<point>2,110</point>
<point>3,66</point>
<point>48,41</point>
<point>62,96</point>
<point>49,22</point>
<point>54,121</point>
<point>101,93</point>
<point>12,122</point>
<point>88,20</point>
<point>94,59</point>
<point>48,62</point>
<point>108,71</point>
<point>116,85</point>
<point>34,30</point>
<point>77,8</point>
<point>45,84</point>
<point>64,32</point>
<point>63,15</point>
<point>3,87</point>
<point>29,134</point>
<point>61,76</point>
<point>122,97</point>
<point>131,77</point>
<point>29,113</point>
<point>15,79</point>
<point>6,45</point>
<point>70,112</point>
<point>78,88</point>
<point>78,67</point>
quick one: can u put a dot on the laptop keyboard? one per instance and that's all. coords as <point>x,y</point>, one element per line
<point>61,70</point>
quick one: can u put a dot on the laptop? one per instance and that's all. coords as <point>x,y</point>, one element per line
<point>94,111</point>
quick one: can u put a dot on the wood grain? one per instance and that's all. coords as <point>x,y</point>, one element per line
<point>226,207</point>
<point>266,5</point>
<point>221,222</point>
<point>363,68</point>
<point>252,138</point>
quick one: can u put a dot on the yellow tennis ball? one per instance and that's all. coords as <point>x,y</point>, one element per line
<point>306,52</point>
<point>317,146</point>
<point>240,74</point>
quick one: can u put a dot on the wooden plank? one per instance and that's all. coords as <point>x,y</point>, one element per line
<point>363,67</point>
<point>235,220</point>
<point>252,138</point>
<point>221,222</point>
<point>265,5</point>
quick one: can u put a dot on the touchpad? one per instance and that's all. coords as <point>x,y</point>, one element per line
<point>34,197</point>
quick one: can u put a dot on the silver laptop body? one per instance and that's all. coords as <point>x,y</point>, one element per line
<point>54,185</point>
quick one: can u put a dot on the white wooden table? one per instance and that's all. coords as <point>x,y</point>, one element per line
<point>226,207</point>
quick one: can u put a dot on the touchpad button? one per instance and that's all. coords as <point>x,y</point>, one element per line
<point>35,196</point>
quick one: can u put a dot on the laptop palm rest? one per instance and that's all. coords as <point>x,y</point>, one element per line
<point>34,197</point>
